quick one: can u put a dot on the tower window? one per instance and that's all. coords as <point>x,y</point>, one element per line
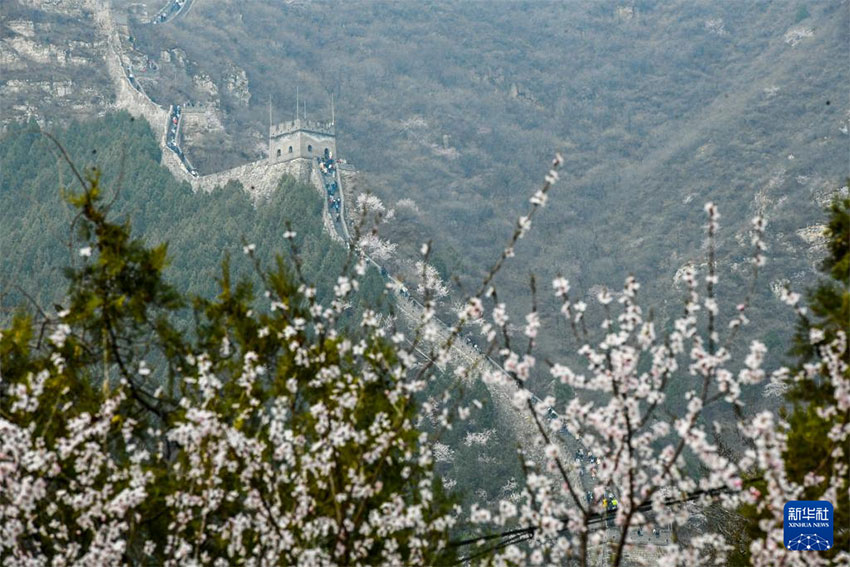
<point>278,152</point>
<point>290,149</point>
<point>310,148</point>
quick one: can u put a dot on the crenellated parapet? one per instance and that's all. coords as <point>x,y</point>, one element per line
<point>290,126</point>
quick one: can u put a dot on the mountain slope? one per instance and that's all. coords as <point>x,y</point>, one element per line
<point>657,108</point>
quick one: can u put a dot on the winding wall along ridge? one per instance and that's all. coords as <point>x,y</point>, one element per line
<point>259,179</point>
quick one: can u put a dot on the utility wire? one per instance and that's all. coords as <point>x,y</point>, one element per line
<point>520,535</point>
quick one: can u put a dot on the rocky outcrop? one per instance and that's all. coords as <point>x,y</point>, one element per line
<point>205,86</point>
<point>43,73</point>
<point>68,8</point>
<point>236,85</point>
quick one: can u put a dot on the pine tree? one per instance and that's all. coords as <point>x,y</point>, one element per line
<point>262,434</point>
<point>812,450</point>
<point>816,457</point>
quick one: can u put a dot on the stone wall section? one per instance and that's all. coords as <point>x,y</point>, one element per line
<point>170,160</point>
<point>259,179</point>
<point>127,98</point>
<point>350,187</point>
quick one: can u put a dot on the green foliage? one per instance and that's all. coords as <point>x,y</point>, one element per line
<point>811,450</point>
<point>199,228</point>
<point>233,450</point>
<point>655,111</point>
<point>829,302</point>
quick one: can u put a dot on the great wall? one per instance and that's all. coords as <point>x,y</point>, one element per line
<point>259,180</point>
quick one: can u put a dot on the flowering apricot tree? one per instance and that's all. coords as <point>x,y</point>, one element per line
<point>259,435</point>
<point>262,429</point>
<point>624,458</point>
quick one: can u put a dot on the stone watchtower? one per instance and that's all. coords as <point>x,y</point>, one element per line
<point>301,138</point>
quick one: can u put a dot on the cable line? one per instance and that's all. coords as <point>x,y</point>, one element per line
<point>520,535</point>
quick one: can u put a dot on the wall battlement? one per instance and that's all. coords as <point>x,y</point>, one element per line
<point>290,126</point>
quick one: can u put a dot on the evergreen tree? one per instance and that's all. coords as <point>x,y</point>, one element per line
<point>258,436</point>
<point>816,457</point>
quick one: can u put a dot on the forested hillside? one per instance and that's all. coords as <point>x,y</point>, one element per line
<point>678,129</point>
<point>450,112</point>
<point>200,228</point>
<point>453,110</point>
